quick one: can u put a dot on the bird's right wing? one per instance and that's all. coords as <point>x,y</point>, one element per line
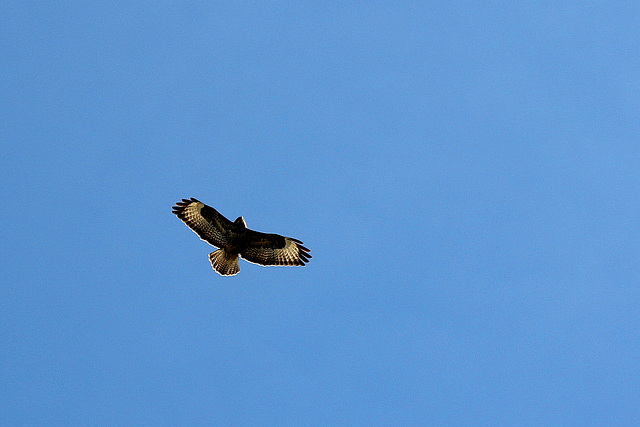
<point>204,220</point>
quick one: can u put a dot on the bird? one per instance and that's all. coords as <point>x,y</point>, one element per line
<point>235,240</point>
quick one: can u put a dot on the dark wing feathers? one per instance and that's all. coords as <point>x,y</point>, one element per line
<point>204,220</point>
<point>273,249</point>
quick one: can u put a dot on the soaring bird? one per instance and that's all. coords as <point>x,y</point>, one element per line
<point>235,240</point>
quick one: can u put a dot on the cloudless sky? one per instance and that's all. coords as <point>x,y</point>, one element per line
<point>466,175</point>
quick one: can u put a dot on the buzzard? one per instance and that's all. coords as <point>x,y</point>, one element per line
<point>234,239</point>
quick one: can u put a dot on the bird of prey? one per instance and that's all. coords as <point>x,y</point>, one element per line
<point>234,239</point>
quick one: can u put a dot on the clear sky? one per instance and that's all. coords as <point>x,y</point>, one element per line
<point>466,175</point>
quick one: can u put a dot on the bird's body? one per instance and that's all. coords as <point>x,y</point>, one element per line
<point>236,240</point>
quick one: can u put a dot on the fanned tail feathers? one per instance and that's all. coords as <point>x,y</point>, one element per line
<point>224,263</point>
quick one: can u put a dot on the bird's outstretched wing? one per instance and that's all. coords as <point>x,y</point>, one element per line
<point>273,249</point>
<point>207,222</point>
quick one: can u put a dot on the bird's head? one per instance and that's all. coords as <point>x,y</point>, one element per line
<point>240,222</point>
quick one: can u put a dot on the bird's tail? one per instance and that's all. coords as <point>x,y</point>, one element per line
<point>224,263</point>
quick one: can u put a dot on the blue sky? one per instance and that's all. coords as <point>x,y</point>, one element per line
<point>464,173</point>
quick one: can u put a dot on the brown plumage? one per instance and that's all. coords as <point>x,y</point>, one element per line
<point>234,239</point>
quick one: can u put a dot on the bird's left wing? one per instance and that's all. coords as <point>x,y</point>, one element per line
<point>273,249</point>
<point>204,220</point>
